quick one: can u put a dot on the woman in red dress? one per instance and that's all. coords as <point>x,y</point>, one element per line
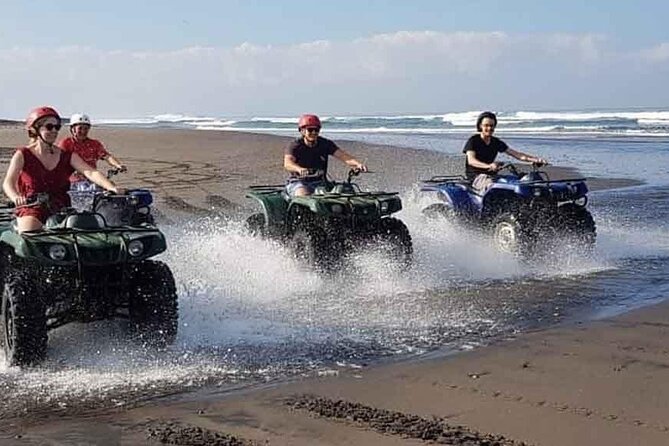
<point>41,167</point>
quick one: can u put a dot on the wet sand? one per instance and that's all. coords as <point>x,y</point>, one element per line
<point>603,382</point>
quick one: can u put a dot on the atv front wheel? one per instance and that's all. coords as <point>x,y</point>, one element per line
<point>24,325</point>
<point>393,236</point>
<point>510,234</point>
<point>576,223</point>
<point>309,243</point>
<point>153,306</point>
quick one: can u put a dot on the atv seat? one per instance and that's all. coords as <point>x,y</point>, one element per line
<point>84,221</point>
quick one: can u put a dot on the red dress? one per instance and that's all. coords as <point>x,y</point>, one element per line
<point>35,178</point>
<point>91,150</point>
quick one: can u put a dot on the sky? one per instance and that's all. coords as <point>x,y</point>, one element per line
<point>259,58</point>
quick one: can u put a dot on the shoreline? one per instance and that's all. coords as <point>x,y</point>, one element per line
<point>600,382</point>
<point>594,382</point>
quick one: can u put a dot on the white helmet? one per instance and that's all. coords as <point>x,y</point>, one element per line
<point>79,118</point>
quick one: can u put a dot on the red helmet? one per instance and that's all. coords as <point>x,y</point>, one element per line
<point>39,113</point>
<point>309,121</point>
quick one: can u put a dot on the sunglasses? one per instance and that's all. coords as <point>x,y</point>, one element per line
<point>51,127</point>
<point>313,129</point>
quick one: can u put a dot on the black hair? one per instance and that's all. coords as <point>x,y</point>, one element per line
<point>482,116</point>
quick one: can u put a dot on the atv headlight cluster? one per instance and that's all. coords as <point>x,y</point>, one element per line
<point>135,248</point>
<point>337,208</point>
<point>389,206</point>
<point>57,252</point>
<point>581,201</point>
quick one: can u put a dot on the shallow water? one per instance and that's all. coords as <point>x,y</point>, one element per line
<point>249,313</point>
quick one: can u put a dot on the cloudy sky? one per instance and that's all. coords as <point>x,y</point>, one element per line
<point>250,57</point>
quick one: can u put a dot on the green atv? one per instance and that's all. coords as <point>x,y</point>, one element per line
<point>321,228</point>
<point>80,268</point>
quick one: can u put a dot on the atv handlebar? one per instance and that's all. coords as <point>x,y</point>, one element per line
<point>507,166</point>
<point>355,172</point>
<point>312,174</point>
<point>114,172</point>
<point>512,167</point>
<point>31,201</point>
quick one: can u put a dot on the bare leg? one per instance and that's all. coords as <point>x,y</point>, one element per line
<point>301,192</point>
<point>482,183</point>
<point>28,223</point>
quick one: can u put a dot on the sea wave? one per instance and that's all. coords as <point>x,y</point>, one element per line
<point>615,123</point>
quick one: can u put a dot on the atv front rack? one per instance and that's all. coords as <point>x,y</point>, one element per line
<point>549,182</point>
<point>70,231</point>
<point>359,194</point>
<point>273,188</point>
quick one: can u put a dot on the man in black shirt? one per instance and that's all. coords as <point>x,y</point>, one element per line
<point>309,154</point>
<point>482,149</point>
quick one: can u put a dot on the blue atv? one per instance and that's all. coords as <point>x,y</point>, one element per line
<point>524,212</point>
<point>133,208</point>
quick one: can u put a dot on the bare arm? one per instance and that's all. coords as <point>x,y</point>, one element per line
<point>524,156</point>
<point>349,160</point>
<point>92,174</point>
<point>474,162</point>
<point>291,166</point>
<point>114,162</point>
<point>9,185</point>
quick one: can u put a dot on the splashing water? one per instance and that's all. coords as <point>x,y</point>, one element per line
<point>249,311</point>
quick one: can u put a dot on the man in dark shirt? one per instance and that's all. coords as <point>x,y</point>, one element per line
<point>309,154</point>
<point>482,149</point>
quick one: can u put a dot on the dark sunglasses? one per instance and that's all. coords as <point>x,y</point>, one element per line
<point>51,127</point>
<point>313,129</point>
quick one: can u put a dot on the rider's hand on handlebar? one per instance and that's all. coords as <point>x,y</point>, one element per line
<point>117,190</point>
<point>496,166</point>
<point>360,167</point>
<point>303,172</point>
<point>122,169</point>
<point>20,200</point>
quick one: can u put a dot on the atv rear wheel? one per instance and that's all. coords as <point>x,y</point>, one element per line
<point>511,235</point>
<point>439,210</point>
<point>153,306</point>
<point>575,223</point>
<point>393,236</point>
<point>24,325</point>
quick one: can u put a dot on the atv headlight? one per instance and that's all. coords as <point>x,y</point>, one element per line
<point>135,248</point>
<point>582,201</point>
<point>536,192</point>
<point>57,252</point>
<point>337,208</point>
<point>144,210</point>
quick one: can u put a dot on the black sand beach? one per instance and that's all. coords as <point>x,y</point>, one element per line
<point>601,382</point>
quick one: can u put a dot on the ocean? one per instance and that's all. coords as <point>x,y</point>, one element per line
<point>627,143</point>
<point>249,314</point>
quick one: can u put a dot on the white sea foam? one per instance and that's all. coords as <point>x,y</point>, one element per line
<point>277,120</point>
<point>615,123</point>
<point>659,116</point>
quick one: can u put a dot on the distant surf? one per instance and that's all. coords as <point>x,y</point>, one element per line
<point>550,123</point>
